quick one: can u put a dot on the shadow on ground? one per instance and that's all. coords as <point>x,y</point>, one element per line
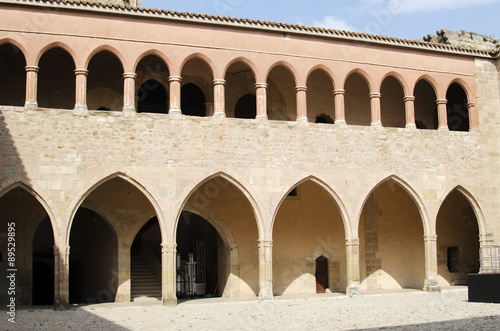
<point>479,323</point>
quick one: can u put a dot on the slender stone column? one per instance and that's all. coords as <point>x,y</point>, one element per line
<point>265,269</point>
<point>168,274</point>
<point>81,91</point>
<point>442,114</point>
<point>339,95</point>
<point>473,117</point>
<point>175,94</point>
<point>410,112</point>
<point>129,92</point>
<point>353,275</point>
<point>431,264</point>
<point>261,92</point>
<point>31,87</point>
<point>375,109</point>
<point>61,277</point>
<point>219,98</point>
<point>301,92</point>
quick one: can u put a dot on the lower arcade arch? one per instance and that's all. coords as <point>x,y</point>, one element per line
<point>21,211</point>
<point>308,226</point>
<point>391,234</point>
<point>457,240</point>
<point>118,206</point>
<point>230,236</point>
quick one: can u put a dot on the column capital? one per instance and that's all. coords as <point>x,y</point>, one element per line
<point>265,243</point>
<point>61,249</point>
<point>169,247</point>
<point>409,99</point>
<point>375,95</point>
<point>132,75</point>
<point>261,85</point>
<point>301,89</point>
<point>219,82</point>
<point>175,79</point>
<point>352,241</point>
<point>339,92</point>
<point>32,69</point>
<point>84,72</point>
<point>431,237</point>
<point>441,102</point>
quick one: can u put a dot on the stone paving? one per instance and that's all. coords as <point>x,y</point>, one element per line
<point>399,310</point>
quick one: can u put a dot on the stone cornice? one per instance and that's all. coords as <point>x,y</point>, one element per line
<point>252,24</point>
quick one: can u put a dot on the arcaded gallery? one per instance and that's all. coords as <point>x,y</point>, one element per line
<point>157,155</point>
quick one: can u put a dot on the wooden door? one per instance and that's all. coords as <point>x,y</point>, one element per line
<point>321,274</point>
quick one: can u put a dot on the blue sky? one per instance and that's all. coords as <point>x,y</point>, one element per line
<point>411,19</point>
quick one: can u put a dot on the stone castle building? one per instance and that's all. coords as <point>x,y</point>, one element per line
<point>283,159</point>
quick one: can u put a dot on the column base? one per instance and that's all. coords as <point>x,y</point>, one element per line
<point>443,128</point>
<point>81,110</point>
<point>31,105</point>
<point>432,286</point>
<point>60,306</point>
<point>340,122</point>
<point>220,114</point>
<point>302,119</point>
<point>261,117</point>
<point>265,294</point>
<point>376,124</point>
<point>411,126</point>
<point>169,302</point>
<point>129,111</point>
<point>175,112</point>
<point>353,290</point>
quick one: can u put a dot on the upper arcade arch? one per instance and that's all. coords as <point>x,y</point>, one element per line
<point>327,71</point>
<point>57,44</point>
<point>251,65</point>
<point>290,68</point>
<point>363,74</point>
<point>401,80</point>
<point>106,48</point>
<point>203,58</point>
<point>153,52</point>
<point>12,74</point>
<point>20,46</point>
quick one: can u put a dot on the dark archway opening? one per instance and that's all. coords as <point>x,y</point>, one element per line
<point>192,100</point>
<point>43,264</point>
<point>457,109</point>
<point>246,107</point>
<point>425,106</point>
<point>93,259</point>
<point>145,262</point>
<point>152,98</point>
<point>105,82</point>
<point>56,80</point>
<point>458,240</point>
<point>198,248</point>
<point>12,76</point>
<point>321,274</point>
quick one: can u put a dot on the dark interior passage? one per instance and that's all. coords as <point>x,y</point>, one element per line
<point>43,264</point>
<point>93,259</point>
<point>197,241</point>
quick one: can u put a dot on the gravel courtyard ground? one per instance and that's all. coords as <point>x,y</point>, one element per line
<point>405,310</point>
